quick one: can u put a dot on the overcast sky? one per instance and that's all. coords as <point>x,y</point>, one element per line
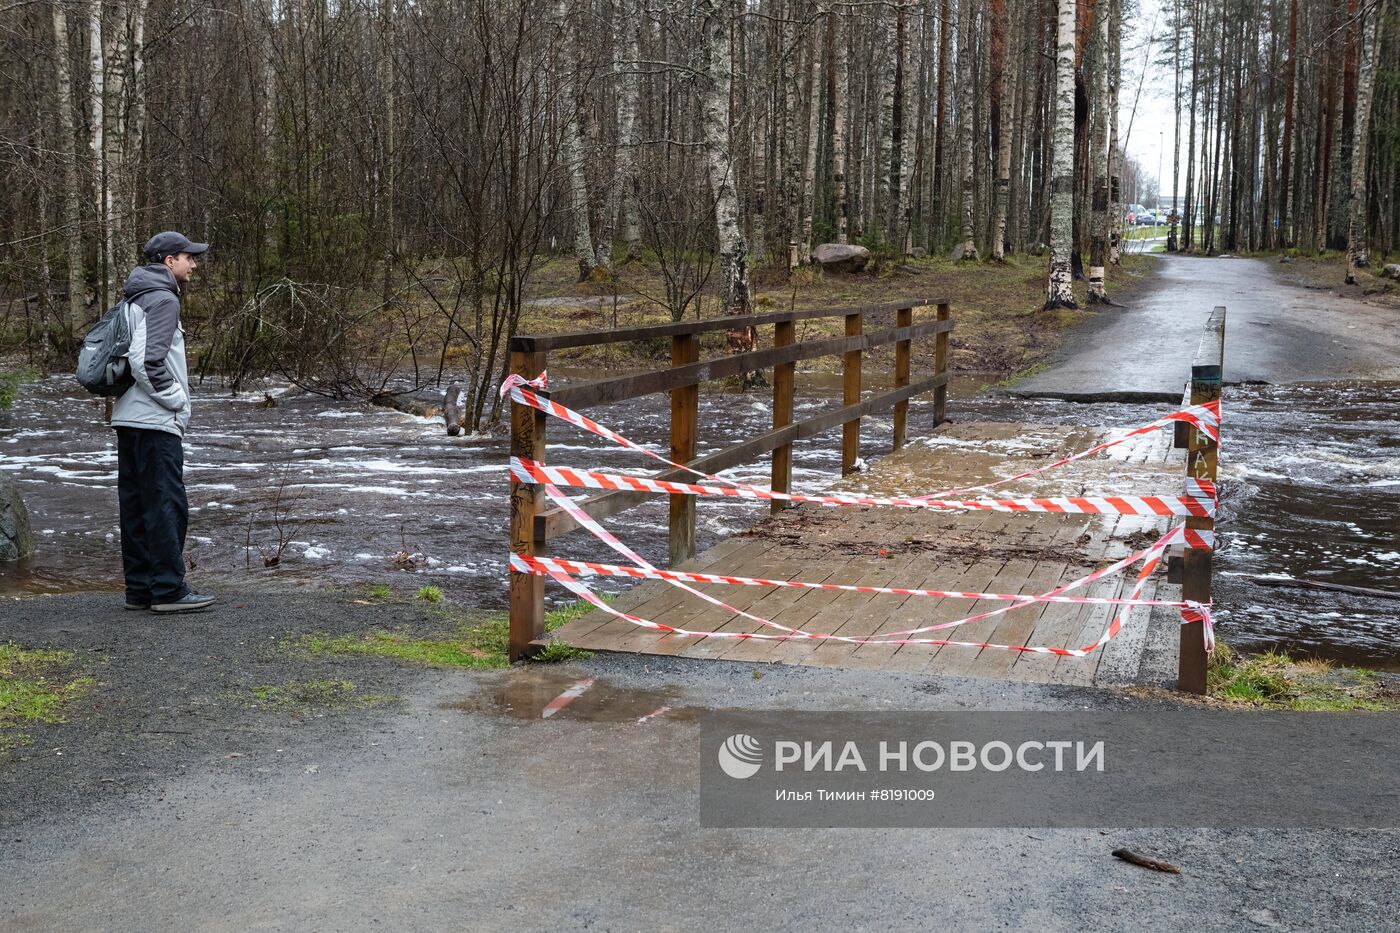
<point>1145,37</point>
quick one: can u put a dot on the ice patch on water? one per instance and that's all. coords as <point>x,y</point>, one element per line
<point>315,553</point>
<point>332,413</point>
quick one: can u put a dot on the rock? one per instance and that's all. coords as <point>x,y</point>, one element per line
<point>1391,271</point>
<point>841,257</point>
<point>16,540</point>
<point>452,409</point>
<point>1285,259</point>
<point>917,252</point>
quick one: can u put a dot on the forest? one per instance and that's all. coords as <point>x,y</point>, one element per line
<point>367,168</point>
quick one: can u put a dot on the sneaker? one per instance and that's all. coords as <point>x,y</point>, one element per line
<point>135,607</point>
<point>190,602</point>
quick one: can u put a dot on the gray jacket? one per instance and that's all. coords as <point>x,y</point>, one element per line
<point>160,399</point>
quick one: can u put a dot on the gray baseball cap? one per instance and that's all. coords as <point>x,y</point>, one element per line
<point>169,243</point>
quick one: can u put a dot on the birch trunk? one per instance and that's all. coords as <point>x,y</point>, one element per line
<point>1115,75</point>
<point>1005,110</point>
<point>627,129</point>
<point>68,146</point>
<point>838,127</point>
<point>1176,123</point>
<point>908,116</point>
<point>809,168</point>
<point>575,154</point>
<point>733,250</point>
<point>1285,218</point>
<point>1059,289</point>
<point>1098,164</point>
<point>97,76</point>
<point>612,195</point>
<point>115,53</point>
<point>966,249</point>
<point>136,127</point>
<point>1365,94</point>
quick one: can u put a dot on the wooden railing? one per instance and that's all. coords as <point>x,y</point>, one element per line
<point>533,528</point>
<point>1202,462</point>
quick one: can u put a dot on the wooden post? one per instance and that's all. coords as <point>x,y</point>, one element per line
<point>526,440</point>
<point>1201,463</point>
<point>685,417</point>
<point>904,317</point>
<point>784,382</point>
<point>850,395</point>
<point>940,366</point>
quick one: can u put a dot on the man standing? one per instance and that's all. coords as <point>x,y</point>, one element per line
<point>150,420</point>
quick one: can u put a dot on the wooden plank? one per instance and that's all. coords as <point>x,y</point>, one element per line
<point>621,388</point>
<point>670,605</point>
<point>685,418</point>
<point>1018,626</point>
<point>555,522</point>
<point>784,388</point>
<point>940,364</point>
<point>527,439</point>
<point>901,377</point>
<point>937,571</point>
<point>636,599</point>
<point>850,395</point>
<point>1060,623</point>
<point>871,610</point>
<point>593,338</point>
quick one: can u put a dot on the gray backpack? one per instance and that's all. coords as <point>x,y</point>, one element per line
<point>102,365</point>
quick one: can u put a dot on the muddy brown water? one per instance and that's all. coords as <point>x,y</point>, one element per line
<point>352,495</point>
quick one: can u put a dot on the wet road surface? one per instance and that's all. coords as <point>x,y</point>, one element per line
<point>1274,333</point>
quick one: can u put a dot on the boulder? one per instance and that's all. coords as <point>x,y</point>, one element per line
<point>16,540</point>
<point>917,252</point>
<point>841,257</point>
<point>1391,271</point>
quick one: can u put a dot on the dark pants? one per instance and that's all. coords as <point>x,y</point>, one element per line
<point>151,490</point>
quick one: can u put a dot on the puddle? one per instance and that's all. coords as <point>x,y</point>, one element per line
<point>539,694</point>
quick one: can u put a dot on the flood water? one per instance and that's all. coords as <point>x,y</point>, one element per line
<point>351,495</point>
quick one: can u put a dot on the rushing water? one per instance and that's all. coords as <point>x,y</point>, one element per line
<point>1311,489</point>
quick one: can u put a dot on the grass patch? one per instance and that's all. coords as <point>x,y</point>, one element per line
<point>483,645</point>
<point>35,687</point>
<point>430,593</point>
<point>301,696</point>
<point>381,591</point>
<point>1274,680</point>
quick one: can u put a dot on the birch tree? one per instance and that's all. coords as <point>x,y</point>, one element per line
<point>68,147</point>
<point>733,249</point>
<point>1060,287</point>
<point>575,147</point>
<point>1098,161</point>
<point>966,249</point>
<point>1365,91</point>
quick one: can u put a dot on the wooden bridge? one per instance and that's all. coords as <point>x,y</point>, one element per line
<point>975,551</point>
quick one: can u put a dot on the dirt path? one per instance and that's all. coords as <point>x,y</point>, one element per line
<point>1276,332</point>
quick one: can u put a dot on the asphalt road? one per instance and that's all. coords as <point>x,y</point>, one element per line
<point>462,808</point>
<point>1275,332</point>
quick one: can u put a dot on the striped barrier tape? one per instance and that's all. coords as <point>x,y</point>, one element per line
<point>525,470</point>
<point>1200,501</point>
<point>578,588</point>
<point>526,392</point>
<point>1151,555</point>
<point>1206,417</point>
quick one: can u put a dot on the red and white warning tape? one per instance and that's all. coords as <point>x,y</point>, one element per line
<point>524,470</point>
<point>1199,501</point>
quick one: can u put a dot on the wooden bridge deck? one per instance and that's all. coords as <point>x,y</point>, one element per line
<point>967,551</point>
